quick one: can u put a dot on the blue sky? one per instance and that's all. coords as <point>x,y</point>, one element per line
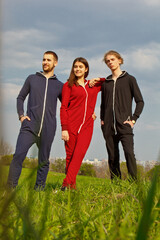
<point>86,28</point>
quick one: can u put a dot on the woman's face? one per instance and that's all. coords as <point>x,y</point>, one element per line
<point>79,69</point>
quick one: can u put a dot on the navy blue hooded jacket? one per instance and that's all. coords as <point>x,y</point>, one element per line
<point>42,101</point>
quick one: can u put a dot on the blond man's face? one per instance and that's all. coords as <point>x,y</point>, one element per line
<point>112,62</point>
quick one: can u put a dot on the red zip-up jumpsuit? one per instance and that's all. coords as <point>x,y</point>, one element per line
<point>76,111</point>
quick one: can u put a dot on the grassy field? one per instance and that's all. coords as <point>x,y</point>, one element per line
<point>98,209</point>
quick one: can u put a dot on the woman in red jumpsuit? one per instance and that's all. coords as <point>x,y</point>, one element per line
<point>77,108</point>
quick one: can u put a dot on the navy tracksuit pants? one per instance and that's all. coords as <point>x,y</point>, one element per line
<point>25,140</point>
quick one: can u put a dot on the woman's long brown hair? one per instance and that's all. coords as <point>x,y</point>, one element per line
<point>72,78</point>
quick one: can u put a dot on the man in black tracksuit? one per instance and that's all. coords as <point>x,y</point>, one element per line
<point>117,120</point>
<point>39,125</point>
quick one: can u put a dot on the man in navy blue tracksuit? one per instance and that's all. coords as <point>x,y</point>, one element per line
<point>117,119</point>
<point>39,124</point>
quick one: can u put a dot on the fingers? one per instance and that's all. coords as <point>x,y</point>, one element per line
<point>28,118</point>
<point>65,135</point>
<point>25,117</point>
<point>102,122</point>
<point>93,81</point>
<point>94,116</point>
<point>65,138</point>
<point>129,122</point>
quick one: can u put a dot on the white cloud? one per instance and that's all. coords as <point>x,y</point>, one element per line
<point>66,58</point>
<point>153,3</point>
<point>148,126</point>
<point>20,36</point>
<point>151,93</point>
<point>22,48</point>
<point>22,51</point>
<point>97,67</point>
<point>9,93</point>
<point>154,126</point>
<point>144,58</point>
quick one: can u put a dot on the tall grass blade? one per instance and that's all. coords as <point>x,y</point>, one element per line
<point>145,222</point>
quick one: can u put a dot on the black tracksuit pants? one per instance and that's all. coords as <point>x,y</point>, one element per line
<point>112,144</point>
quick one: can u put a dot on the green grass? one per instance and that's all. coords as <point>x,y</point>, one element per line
<point>98,209</point>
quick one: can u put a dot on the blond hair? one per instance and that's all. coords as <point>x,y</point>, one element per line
<point>116,54</point>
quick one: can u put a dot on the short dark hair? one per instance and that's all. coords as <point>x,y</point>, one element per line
<point>53,53</point>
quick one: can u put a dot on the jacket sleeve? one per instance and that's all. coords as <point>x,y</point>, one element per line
<point>99,84</point>
<point>22,96</point>
<point>60,94</point>
<point>102,106</point>
<point>66,92</point>
<point>138,100</point>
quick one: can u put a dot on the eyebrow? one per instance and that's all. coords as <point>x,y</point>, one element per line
<point>47,59</point>
<point>110,59</point>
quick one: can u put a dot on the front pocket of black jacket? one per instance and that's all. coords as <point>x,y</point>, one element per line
<point>127,125</point>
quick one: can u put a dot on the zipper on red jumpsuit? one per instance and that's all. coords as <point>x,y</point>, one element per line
<point>85,110</point>
<point>114,117</point>
<point>44,107</point>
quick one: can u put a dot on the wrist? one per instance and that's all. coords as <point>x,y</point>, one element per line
<point>21,116</point>
<point>133,121</point>
<point>64,128</point>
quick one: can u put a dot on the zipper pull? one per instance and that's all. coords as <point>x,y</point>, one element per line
<point>129,118</point>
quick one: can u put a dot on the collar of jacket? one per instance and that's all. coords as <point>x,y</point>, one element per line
<point>109,78</point>
<point>41,74</point>
<point>85,83</point>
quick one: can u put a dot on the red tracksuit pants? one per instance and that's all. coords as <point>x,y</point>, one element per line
<point>76,149</point>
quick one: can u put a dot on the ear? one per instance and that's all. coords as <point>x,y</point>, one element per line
<point>55,63</point>
<point>120,61</point>
<point>86,70</point>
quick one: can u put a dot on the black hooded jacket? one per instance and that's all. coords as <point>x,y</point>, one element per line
<point>116,104</point>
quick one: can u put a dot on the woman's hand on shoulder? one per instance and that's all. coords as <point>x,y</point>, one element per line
<point>93,81</point>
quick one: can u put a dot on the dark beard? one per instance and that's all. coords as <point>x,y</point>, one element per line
<point>48,70</point>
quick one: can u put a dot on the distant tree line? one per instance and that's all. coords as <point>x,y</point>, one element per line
<point>5,148</point>
<point>87,169</point>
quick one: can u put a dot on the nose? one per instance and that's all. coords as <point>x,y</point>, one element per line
<point>78,68</point>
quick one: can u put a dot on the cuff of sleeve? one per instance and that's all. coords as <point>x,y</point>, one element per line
<point>134,118</point>
<point>64,127</point>
<point>21,116</point>
<point>102,79</point>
